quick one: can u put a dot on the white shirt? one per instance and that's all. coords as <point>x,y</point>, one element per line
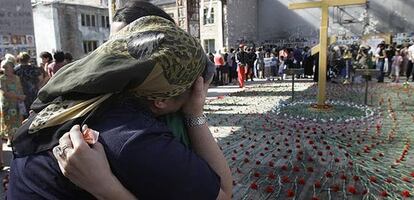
<point>411,53</point>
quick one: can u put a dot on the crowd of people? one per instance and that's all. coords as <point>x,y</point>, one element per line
<point>20,81</point>
<point>247,63</point>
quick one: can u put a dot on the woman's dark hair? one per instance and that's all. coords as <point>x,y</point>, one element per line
<point>136,9</point>
<point>59,56</point>
<point>68,57</point>
<point>47,55</point>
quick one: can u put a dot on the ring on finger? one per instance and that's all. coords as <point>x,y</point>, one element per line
<point>60,150</point>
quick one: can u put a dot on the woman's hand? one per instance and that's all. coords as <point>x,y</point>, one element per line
<point>85,166</point>
<point>194,106</point>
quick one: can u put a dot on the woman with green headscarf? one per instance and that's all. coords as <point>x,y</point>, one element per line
<point>147,70</point>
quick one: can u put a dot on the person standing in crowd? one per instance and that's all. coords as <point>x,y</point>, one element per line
<point>348,65</point>
<point>241,60</point>
<point>390,51</point>
<point>250,63</point>
<point>59,62</point>
<point>274,65</point>
<point>283,53</point>
<point>211,57</point>
<point>267,66</point>
<point>231,62</point>
<point>46,60</point>
<point>219,62</point>
<point>259,63</point>
<point>30,78</point>
<point>282,67</point>
<point>68,58</point>
<point>12,106</point>
<point>226,68</point>
<point>396,65</point>
<point>410,56</point>
<point>404,54</point>
<point>297,57</point>
<point>380,60</point>
<point>307,62</point>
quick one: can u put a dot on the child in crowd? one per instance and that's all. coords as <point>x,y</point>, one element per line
<point>396,65</point>
<point>268,62</point>
<point>274,71</point>
<point>282,67</point>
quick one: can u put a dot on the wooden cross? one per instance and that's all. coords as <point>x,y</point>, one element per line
<point>323,37</point>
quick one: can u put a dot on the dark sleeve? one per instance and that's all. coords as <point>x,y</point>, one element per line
<point>156,166</point>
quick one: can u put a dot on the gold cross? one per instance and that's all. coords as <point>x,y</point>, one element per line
<point>323,37</point>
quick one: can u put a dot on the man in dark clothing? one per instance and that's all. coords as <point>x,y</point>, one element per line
<point>250,63</point>
<point>241,60</point>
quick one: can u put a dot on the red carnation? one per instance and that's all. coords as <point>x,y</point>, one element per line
<point>311,142</point>
<point>256,174</point>
<point>271,164</point>
<point>290,193</point>
<point>315,198</point>
<point>336,159</point>
<point>343,177</point>
<point>364,191</point>
<point>257,162</point>
<point>270,189</point>
<point>284,167</point>
<point>355,178</point>
<point>373,179</point>
<point>412,174</point>
<point>285,179</point>
<point>266,149</point>
<point>254,186</point>
<point>310,169</point>
<point>301,181</point>
<point>296,169</point>
<point>328,174</point>
<point>320,153</point>
<point>246,160</point>
<point>407,179</point>
<point>384,194</point>
<point>318,184</point>
<point>272,176</point>
<point>335,188</point>
<point>388,180</point>
<point>310,159</point>
<point>352,189</point>
<point>406,193</point>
